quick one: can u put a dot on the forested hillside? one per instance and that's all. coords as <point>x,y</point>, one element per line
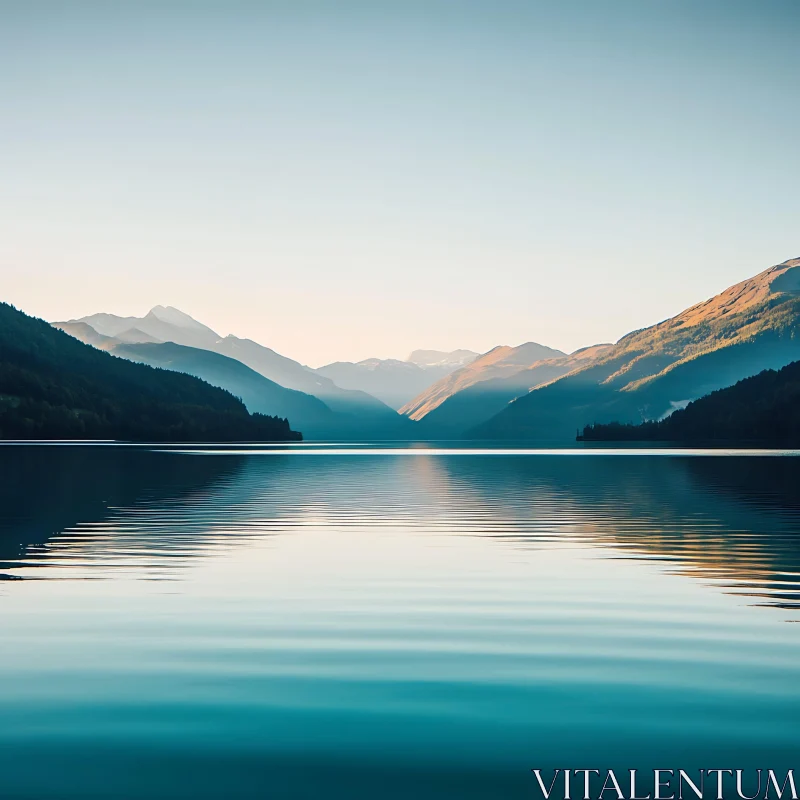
<point>762,409</point>
<point>53,386</point>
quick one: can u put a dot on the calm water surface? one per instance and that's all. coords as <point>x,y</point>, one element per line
<point>357,623</point>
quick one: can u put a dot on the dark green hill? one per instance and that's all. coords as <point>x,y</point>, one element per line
<point>54,387</point>
<point>764,409</point>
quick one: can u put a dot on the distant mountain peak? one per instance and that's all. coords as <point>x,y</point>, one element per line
<point>392,381</point>
<point>174,316</point>
<point>160,324</point>
<point>436,358</point>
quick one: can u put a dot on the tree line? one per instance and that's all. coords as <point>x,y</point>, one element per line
<point>762,409</point>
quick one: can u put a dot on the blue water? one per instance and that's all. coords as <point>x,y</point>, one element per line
<point>353,622</point>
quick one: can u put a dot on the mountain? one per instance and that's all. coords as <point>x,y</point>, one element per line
<point>396,382</point>
<point>440,358</point>
<point>87,334</point>
<point>259,394</point>
<point>361,414</point>
<point>54,386</point>
<point>500,362</point>
<point>649,373</point>
<point>366,415</point>
<point>160,324</point>
<point>136,336</point>
<point>391,381</point>
<point>763,409</point>
<point>480,401</point>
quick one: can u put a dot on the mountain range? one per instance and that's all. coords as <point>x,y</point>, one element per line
<point>752,326</point>
<point>527,392</point>
<point>397,382</point>
<point>259,394</point>
<point>485,386</point>
<point>169,338</point>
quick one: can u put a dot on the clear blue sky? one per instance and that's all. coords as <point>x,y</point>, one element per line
<point>344,179</point>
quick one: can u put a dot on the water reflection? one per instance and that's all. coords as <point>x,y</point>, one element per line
<point>389,626</point>
<point>74,502</point>
<point>731,521</point>
<point>85,511</point>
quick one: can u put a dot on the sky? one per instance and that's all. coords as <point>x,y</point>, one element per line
<point>344,180</point>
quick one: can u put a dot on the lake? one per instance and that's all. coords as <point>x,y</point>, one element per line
<point>360,622</point>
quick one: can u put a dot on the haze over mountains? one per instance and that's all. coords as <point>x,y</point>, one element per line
<point>258,393</point>
<point>169,338</point>
<point>397,382</point>
<point>160,324</point>
<point>528,392</point>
